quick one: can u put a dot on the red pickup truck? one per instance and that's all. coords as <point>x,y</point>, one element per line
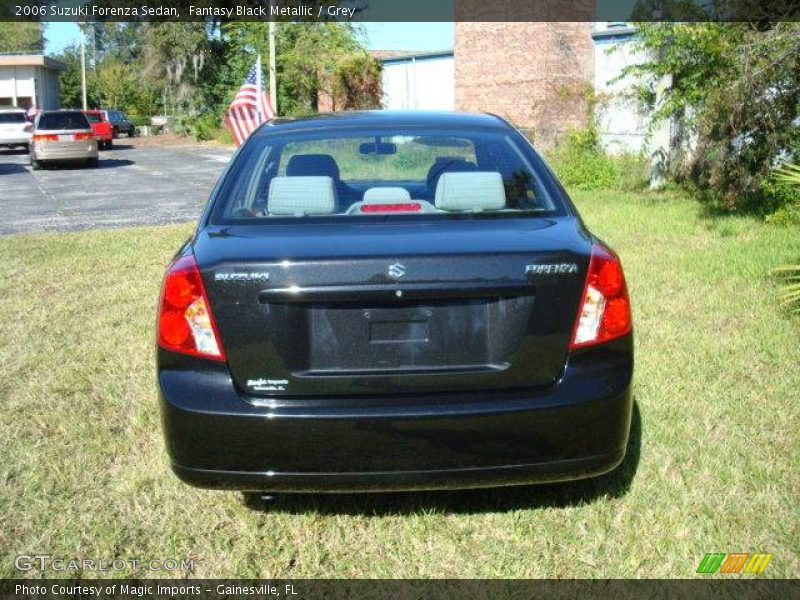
<point>101,127</point>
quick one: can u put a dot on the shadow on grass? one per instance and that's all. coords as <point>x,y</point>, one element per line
<point>556,495</point>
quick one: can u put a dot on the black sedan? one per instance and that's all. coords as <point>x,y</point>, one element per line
<point>392,301</point>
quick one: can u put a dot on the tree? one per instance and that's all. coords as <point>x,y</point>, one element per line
<point>357,83</point>
<point>735,97</point>
<point>21,37</point>
<point>307,56</point>
<point>70,78</point>
<point>174,57</point>
<point>114,85</point>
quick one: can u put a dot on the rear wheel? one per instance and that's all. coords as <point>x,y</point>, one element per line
<point>35,164</point>
<point>92,163</point>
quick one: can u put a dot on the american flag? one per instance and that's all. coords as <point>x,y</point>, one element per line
<point>250,107</point>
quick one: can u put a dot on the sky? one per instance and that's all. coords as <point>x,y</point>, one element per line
<point>378,36</point>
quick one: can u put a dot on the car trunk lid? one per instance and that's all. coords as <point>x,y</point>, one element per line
<point>368,309</point>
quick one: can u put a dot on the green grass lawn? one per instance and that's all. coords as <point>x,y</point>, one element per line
<point>713,466</point>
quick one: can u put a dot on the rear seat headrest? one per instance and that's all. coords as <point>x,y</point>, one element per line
<point>481,190</point>
<point>302,196</point>
<point>304,165</point>
<point>378,195</point>
<point>448,164</point>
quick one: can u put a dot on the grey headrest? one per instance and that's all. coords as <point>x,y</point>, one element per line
<point>378,195</point>
<point>302,196</point>
<point>480,190</point>
<point>305,165</point>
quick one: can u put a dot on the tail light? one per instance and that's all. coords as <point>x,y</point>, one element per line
<point>605,311</point>
<point>83,137</point>
<point>185,322</point>
<point>45,138</point>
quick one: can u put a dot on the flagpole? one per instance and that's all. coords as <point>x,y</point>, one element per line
<point>259,90</point>
<point>273,87</point>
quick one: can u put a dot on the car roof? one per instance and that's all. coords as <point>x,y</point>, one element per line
<point>386,118</point>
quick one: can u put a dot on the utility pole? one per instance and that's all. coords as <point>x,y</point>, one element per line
<point>273,87</point>
<point>83,69</point>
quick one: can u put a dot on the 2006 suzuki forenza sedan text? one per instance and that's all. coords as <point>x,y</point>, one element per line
<point>392,301</point>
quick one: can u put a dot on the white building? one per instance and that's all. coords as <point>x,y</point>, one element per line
<point>28,79</point>
<point>419,81</point>
<point>622,123</point>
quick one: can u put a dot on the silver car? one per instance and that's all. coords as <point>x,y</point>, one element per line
<point>63,136</point>
<point>15,130</point>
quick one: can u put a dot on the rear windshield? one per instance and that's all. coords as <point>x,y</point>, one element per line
<point>362,173</point>
<point>11,118</point>
<point>93,118</point>
<point>64,121</point>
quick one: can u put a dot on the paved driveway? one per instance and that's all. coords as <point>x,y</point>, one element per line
<point>136,184</point>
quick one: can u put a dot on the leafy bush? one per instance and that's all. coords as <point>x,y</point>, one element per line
<point>205,127</point>
<point>139,121</point>
<point>582,164</point>
<point>183,124</point>
<point>357,83</point>
<point>733,103</point>
<point>778,200</point>
<point>223,136</point>
<point>790,176</point>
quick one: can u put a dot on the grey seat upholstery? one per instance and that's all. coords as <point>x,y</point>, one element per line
<point>300,196</point>
<point>481,190</point>
<point>321,165</point>
<point>377,195</point>
<point>447,164</point>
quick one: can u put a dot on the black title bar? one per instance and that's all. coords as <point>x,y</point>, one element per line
<point>755,11</point>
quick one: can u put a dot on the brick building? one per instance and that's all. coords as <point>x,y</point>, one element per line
<point>539,75</point>
<point>535,74</point>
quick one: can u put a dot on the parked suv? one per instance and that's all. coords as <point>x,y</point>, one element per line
<point>15,130</point>
<point>63,136</point>
<point>392,301</point>
<point>120,123</point>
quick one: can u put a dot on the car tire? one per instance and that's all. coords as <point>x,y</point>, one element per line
<point>109,144</point>
<point>35,164</point>
<point>92,163</point>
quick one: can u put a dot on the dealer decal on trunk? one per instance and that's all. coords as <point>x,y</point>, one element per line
<point>267,385</point>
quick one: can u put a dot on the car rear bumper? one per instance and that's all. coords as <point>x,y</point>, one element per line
<point>220,438</point>
<point>66,151</point>
<point>15,141</point>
